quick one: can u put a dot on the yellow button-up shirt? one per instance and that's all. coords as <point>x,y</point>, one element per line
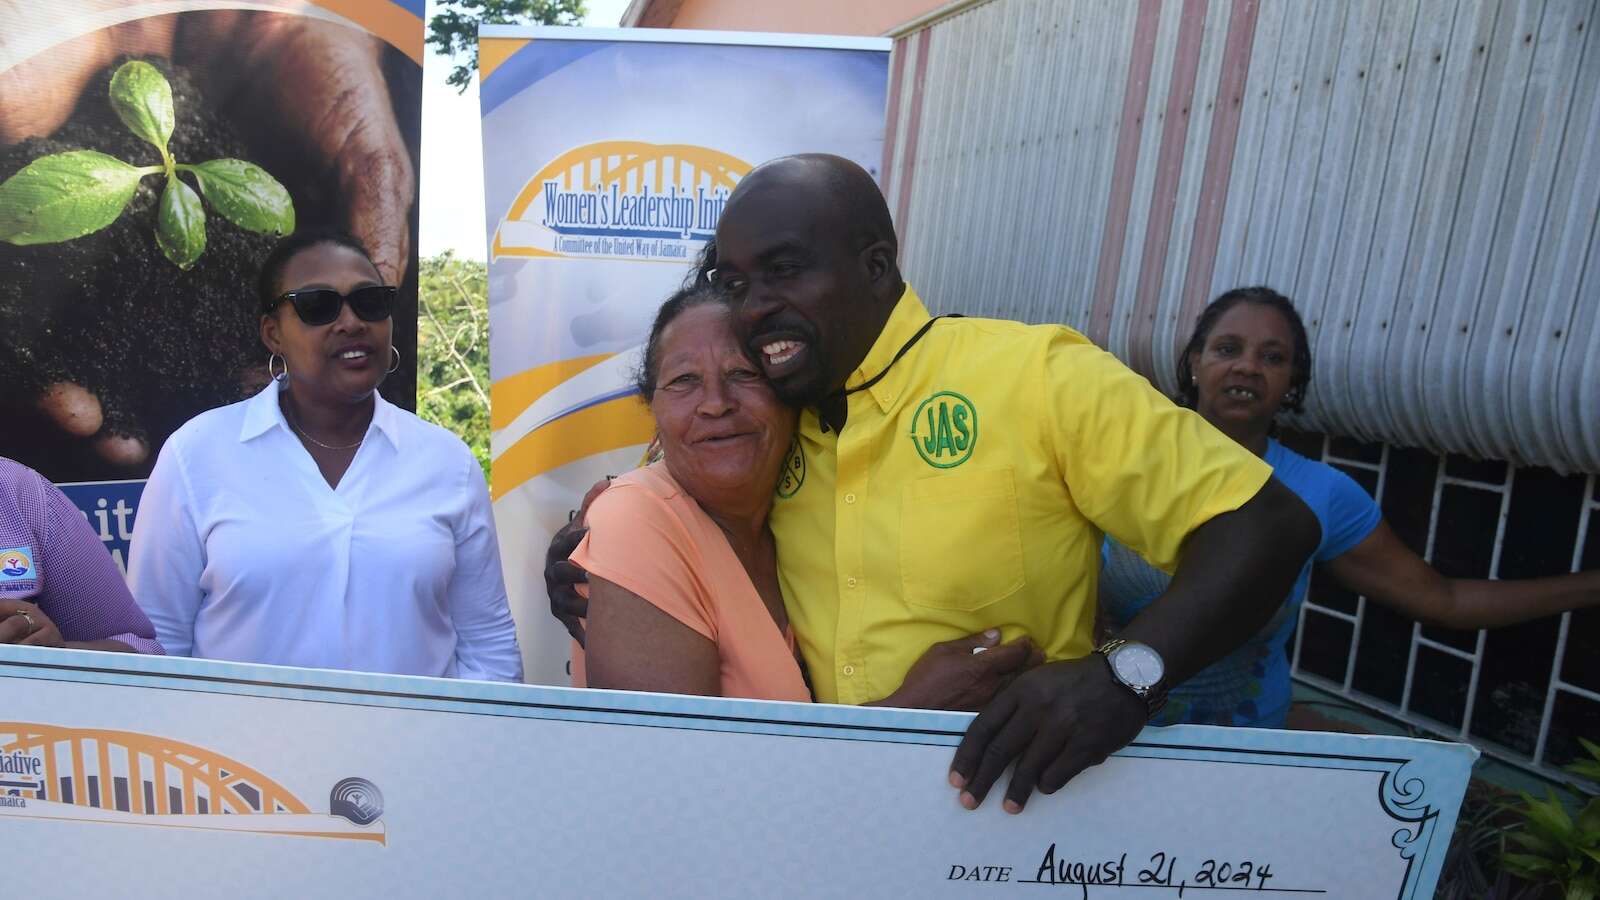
<point>970,489</point>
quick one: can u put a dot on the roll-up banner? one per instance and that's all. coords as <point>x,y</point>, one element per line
<point>151,152</point>
<point>608,157</point>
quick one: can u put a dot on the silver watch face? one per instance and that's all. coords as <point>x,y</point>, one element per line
<point>1137,665</point>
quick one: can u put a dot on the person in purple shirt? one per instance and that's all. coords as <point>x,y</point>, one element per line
<point>58,585</point>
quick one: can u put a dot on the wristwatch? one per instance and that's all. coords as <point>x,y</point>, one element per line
<point>1137,667</point>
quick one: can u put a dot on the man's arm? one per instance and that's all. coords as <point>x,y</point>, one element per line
<point>1062,718</point>
<point>1235,572</point>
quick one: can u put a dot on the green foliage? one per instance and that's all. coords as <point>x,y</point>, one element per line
<point>1553,847</point>
<point>453,349</point>
<point>65,196</point>
<point>454,26</point>
<point>68,195</point>
<point>143,100</point>
<point>245,195</point>
<point>181,224</point>
<point>1589,768</point>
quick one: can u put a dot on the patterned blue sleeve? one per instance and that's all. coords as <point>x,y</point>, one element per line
<point>1350,515</point>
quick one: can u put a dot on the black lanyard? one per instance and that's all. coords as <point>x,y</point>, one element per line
<point>904,348</point>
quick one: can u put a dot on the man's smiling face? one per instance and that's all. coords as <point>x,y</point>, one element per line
<point>802,290</point>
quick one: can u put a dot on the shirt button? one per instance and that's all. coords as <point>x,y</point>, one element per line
<point>849,498</point>
<point>850,581</point>
<point>849,670</point>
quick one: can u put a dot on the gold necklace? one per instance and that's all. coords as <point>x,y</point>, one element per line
<point>302,432</point>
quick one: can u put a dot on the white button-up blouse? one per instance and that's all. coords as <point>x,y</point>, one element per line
<point>241,551</point>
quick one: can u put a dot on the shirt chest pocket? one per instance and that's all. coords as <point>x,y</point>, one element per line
<point>960,541</point>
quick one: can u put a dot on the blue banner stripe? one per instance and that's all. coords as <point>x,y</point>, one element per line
<point>532,63</point>
<point>415,7</point>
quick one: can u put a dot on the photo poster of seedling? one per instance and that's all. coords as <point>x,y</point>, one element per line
<point>149,160</point>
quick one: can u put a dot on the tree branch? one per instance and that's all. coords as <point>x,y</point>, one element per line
<point>455,354</point>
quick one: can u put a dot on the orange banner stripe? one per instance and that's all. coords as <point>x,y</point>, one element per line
<point>387,21</point>
<point>510,397</point>
<point>493,52</point>
<point>612,425</point>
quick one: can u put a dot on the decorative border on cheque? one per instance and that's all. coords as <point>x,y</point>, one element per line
<point>1412,773</point>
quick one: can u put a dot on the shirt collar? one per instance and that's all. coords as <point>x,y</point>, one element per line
<point>908,316</point>
<point>262,413</point>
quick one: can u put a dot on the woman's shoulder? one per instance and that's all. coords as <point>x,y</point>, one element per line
<point>648,487</point>
<point>13,472</point>
<point>429,436</point>
<point>653,479</point>
<point>1297,471</point>
<point>213,424</point>
<point>20,484</point>
<point>649,498</point>
<point>1322,487</point>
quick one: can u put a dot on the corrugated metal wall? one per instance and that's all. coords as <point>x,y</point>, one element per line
<point>1421,177</point>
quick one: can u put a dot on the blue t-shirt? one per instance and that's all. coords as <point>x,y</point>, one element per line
<point>1250,686</point>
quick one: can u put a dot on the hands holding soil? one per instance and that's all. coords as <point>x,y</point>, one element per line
<point>312,91</point>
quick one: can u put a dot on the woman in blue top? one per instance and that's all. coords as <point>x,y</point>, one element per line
<point>1247,359</point>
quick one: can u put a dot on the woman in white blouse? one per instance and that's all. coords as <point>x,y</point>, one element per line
<point>316,524</point>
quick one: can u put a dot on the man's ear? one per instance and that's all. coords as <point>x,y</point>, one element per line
<point>883,269</point>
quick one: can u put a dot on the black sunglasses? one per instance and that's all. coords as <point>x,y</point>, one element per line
<point>319,306</point>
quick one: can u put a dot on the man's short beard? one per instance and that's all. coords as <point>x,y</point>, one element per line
<point>801,390</point>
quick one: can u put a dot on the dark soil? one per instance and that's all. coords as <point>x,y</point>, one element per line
<point>108,311</point>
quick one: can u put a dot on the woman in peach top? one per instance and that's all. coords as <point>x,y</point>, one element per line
<point>683,572</point>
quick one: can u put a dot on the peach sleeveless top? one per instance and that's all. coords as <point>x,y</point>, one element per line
<point>650,538</point>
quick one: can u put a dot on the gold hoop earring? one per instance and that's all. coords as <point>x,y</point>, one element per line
<point>280,378</point>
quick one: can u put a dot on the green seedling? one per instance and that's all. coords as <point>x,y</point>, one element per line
<point>68,195</point>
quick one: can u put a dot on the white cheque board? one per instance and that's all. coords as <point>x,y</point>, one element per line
<point>125,776</point>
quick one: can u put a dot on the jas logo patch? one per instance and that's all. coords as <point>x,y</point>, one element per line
<point>945,430</point>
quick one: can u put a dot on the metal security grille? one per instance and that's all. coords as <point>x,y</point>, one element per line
<point>1420,641</point>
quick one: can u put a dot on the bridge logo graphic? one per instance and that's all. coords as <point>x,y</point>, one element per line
<point>620,200</point>
<point>126,778</point>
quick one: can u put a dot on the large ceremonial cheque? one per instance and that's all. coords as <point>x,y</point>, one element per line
<point>151,154</point>
<point>149,777</point>
<point>608,157</point>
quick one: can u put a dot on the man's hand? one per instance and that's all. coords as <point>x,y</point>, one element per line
<point>562,576</point>
<point>24,623</point>
<point>1055,721</point>
<point>965,673</point>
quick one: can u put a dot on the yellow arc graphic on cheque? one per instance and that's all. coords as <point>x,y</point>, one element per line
<point>139,773</point>
<point>104,776</point>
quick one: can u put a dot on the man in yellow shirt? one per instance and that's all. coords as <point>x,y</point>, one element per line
<point>954,475</point>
